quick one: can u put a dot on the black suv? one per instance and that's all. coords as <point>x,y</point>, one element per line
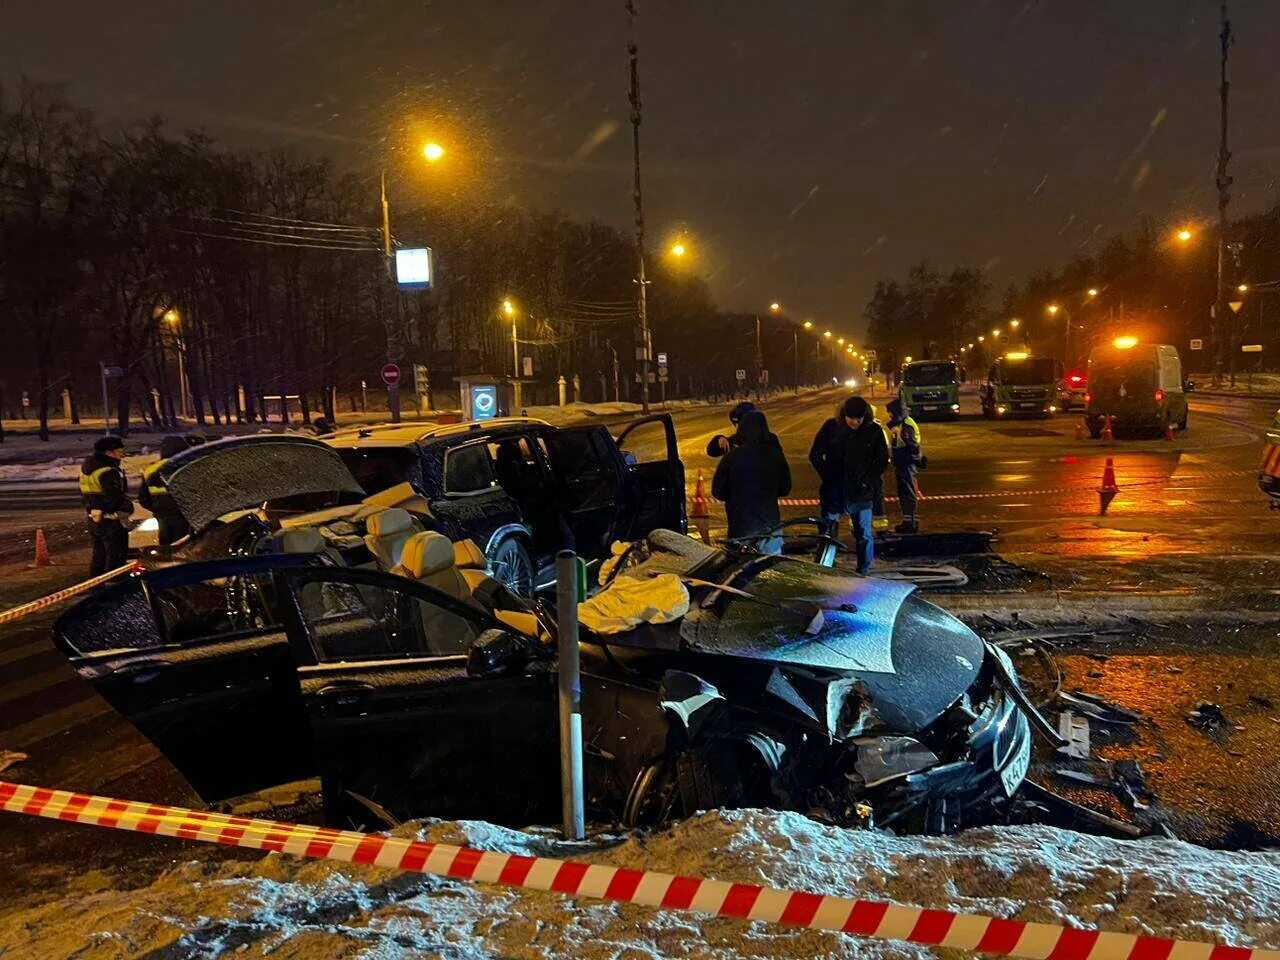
<point>523,489</point>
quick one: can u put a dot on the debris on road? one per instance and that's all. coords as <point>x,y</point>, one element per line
<point>1075,730</point>
<point>9,758</point>
<point>1098,709</point>
<point>1209,718</point>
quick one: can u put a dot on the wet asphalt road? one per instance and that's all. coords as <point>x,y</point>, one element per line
<point>1189,528</point>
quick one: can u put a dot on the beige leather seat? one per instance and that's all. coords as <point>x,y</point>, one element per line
<point>474,567</point>
<point>428,558</point>
<point>387,533</point>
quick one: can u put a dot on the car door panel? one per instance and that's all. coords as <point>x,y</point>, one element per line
<point>401,723</point>
<point>223,709</point>
<point>424,739</point>
<point>656,478</point>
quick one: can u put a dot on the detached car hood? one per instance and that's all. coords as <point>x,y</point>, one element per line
<point>215,479</point>
<point>909,659</point>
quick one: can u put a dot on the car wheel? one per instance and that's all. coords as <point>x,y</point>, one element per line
<point>513,568</point>
<point>1182,424</point>
<point>1095,431</point>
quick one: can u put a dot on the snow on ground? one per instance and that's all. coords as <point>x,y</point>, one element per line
<point>68,468</point>
<point>293,909</point>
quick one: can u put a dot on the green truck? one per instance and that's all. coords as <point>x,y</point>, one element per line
<point>930,389</point>
<point>1020,385</point>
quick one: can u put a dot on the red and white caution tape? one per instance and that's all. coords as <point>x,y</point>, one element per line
<point>865,918</point>
<point>26,609</point>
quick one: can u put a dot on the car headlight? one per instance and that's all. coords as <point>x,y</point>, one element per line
<point>149,525</point>
<point>1000,410</point>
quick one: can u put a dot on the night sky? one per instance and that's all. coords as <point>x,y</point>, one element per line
<point>807,146</point>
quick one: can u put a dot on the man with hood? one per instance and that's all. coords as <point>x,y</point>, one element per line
<point>154,495</point>
<point>866,455</point>
<point>749,481</point>
<point>719,445</point>
<point>907,459</point>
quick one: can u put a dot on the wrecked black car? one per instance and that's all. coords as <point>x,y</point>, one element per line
<point>777,683</point>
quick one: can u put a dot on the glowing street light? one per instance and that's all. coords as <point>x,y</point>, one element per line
<point>841,341</point>
<point>827,334</point>
<point>1092,291</point>
<point>1015,323</point>
<point>1184,235</point>
<point>171,316</point>
<point>775,307</point>
<point>433,152</point>
<point>907,359</point>
<point>1052,309</point>
<point>808,324</point>
<point>508,308</point>
<point>995,333</point>
<point>677,250</point>
<point>1243,288</point>
<point>981,338</point>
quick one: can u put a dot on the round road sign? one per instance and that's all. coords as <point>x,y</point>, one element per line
<point>391,375</point>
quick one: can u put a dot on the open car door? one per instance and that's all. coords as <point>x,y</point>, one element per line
<point>655,475</point>
<point>590,486</point>
<point>400,725</point>
<point>196,658</point>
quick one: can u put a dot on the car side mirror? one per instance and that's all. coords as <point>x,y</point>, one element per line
<point>497,653</point>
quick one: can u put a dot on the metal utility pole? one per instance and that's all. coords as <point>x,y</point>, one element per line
<point>795,357</point>
<point>569,575</point>
<point>393,322</point>
<point>1223,317</point>
<point>644,349</point>
<point>759,360</point>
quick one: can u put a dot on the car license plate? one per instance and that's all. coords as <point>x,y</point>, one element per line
<point>1015,770</point>
<point>1025,406</point>
<point>930,406</point>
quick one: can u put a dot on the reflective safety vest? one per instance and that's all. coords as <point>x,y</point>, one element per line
<point>151,479</point>
<point>91,483</point>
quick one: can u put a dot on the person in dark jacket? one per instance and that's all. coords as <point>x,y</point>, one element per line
<point>154,495</point>
<point>104,492</point>
<point>719,445</point>
<point>826,453</point>
<point>866,455</point>
<point>749,481</point>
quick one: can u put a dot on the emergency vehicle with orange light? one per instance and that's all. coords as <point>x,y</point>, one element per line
<point>1138,385</point>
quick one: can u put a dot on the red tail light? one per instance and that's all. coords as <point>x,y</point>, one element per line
<point>1159,396</point>
<point>1077,379</point>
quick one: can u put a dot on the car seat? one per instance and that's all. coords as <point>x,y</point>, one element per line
<point>387,533</point>
<point>489,593</point>
<point>428,558</point>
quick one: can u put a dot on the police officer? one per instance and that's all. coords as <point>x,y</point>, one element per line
<point>906,462</point>
<point>104,489</point>
<point>154,495</point>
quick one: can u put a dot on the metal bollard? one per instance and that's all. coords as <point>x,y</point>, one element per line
<point>568,575</point>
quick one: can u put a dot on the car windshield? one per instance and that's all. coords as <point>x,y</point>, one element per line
<point>378,468</point>
<point>1026,373</point>
<point>927,374</point>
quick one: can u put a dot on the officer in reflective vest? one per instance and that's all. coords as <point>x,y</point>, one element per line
<point>906,462</point>
<point>104,492</point>
<point>154,495</point>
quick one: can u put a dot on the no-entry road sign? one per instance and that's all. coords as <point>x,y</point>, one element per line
<point>391,375</point>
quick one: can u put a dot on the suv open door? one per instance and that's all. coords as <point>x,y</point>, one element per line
<point>655,477</point>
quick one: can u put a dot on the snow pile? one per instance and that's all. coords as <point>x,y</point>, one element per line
<point>68,468</point>
<point>288,908</point>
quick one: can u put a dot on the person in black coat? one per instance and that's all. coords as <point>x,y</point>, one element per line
<point>719,445</point>
<point>866,456</point>
<point>827,456</point>
<point>749,481</point>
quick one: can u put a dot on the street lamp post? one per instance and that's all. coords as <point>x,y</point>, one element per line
<point>175,318</point>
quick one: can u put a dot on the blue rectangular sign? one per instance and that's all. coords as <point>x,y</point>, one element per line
<point>484,403</point>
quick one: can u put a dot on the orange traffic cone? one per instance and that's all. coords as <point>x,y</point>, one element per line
<point>701,518</point>
<point>1107,492</point>
<point>1106,430</point>
<point>42,551</point>
<point>1079,429</point>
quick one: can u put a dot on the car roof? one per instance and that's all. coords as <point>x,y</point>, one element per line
<point>407,434</point>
